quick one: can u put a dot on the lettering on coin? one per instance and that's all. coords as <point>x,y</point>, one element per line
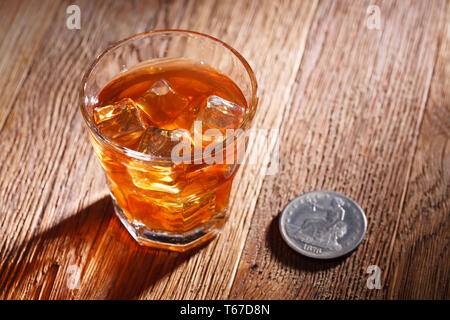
<point>310,248</point>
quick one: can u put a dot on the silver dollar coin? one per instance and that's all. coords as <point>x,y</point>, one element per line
<point>323,224</point>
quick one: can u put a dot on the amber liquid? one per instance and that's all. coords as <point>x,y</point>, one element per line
<point>161,196</point>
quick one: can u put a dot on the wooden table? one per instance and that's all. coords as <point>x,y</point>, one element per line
<point>362,108</point>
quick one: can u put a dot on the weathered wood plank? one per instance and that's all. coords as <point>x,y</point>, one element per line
<point>58,218</point>
<point>352,126</point>
<point>420,265</point>
<point>48,171</point>
<point>22,25</point>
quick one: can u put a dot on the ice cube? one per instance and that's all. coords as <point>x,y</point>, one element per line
<point>161,103</point>
<point>121,122</point>
<point>160,88</point>
<point>221,114</point>
<point>186,118</point>
<point>161,142</point>
<point>157,180</point>
<point>217,115</point>
<point>162,178</point>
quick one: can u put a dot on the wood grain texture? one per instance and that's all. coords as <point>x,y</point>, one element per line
<point>363,112</point>
<point>20,40</point>
<point>421,257</point>
<point>352,126</point>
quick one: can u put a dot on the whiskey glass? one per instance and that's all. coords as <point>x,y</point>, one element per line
<point>169,220</point>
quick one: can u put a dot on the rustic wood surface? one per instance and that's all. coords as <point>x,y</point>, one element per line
<point>361,111</point>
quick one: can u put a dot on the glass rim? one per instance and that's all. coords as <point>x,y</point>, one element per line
<point>149,157</point>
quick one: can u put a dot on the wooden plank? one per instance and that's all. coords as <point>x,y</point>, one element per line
<point>352,127</point>
<point>49,176</point>
<point>420,265</point>
<point>58,218</point>
<point>22,25</point>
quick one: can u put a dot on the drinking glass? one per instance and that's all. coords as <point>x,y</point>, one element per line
<point>192,203</point>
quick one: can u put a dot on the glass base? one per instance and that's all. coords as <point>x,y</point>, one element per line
<point>175,242</point>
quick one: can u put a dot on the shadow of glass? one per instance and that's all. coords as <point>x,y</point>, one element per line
<point>92,242</point>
